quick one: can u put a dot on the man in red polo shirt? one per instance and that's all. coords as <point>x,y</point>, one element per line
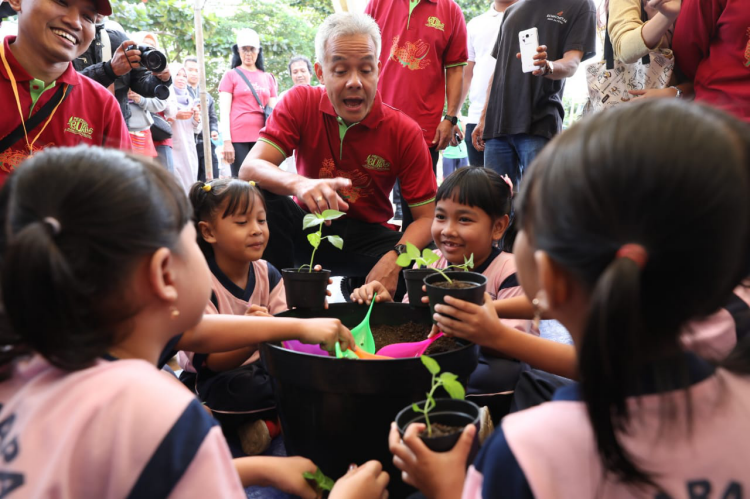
<point>350,149</point>
<point>36,70</point>
<point>423,58</point>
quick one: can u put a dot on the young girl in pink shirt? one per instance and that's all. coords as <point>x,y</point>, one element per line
<point>626,241</point>
<point>103,240</point>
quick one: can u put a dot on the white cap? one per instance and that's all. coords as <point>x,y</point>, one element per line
<point>248,38</point>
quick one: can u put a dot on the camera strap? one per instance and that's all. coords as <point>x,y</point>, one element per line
<point>48,109</point>
<point>260,104</point>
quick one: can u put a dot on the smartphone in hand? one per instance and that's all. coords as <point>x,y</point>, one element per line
<point>529,41</point>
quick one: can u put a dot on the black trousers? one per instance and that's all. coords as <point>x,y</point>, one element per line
<point>241,149</point>
<point>364,243</point>
<point>397,199</point>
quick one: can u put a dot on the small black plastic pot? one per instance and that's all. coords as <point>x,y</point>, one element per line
<point>414,281</point>
<point>474,294</point>
<point>450,412</point>
<point>305,289</point>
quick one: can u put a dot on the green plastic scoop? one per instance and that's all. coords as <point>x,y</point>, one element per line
<point>346,354</point>
<point>362,333</point>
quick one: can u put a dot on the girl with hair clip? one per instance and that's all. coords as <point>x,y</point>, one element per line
<point>103,239</point>
<point>472,213</point>
<point>230,219</point>
<point>613,244</point>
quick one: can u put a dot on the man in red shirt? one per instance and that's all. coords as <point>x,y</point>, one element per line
<point>423,60</point>
<point>350,149</point>
<point>36,70</point>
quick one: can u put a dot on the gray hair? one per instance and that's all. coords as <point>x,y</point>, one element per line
<point>346,24</point>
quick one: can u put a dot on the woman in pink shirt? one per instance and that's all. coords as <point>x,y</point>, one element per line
<point>237,101</point>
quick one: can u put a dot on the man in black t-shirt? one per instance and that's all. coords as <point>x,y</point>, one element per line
<point>524,111</point>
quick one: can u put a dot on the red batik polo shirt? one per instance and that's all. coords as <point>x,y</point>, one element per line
<point>420,40</point>
<point>90,114</point>
<point>373,153</point>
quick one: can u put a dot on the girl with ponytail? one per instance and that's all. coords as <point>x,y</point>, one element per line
<point>626,240</point>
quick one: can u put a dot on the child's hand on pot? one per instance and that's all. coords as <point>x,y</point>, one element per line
<point>475,323</point>
<point>363,482</point>
<point>366,292</point>
<point>257,311</point>
<point>326,333</point>
<point>435,474</point>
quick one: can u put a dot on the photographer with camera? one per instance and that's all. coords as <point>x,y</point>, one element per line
<point>114,59</point>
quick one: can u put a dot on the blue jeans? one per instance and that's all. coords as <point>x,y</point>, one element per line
<point>512,154</point>
<point>164,155</point>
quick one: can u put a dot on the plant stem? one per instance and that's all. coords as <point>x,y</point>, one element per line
<point>443,274</point>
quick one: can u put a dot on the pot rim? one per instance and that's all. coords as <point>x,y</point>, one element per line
<point>295,270</point>
<point>435,412</point>
<point>450,273</point>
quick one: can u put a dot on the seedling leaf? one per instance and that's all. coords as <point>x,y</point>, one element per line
<point>412,251</point>
<point>322,481</point>
<point>416,408</point>
<point>336,241</point>
<point>454,389</point>
<point>448,377</point>
<point>331,214</point>
<point>403,260</point>
<point>431,364</point>
<point>429,256</point>
<point>310,220</point>
<point>314,239</point>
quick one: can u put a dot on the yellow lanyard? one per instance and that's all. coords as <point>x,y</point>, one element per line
<point>18,102</point>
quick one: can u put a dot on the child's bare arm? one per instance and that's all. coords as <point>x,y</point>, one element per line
<point>225,361</point>
<point>283,473</point>
<point>222,333</point>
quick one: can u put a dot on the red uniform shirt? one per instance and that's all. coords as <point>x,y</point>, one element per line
<point>373,153</point>
<point>90,114</point>
<point>417,48</point>
<point>712,47</point>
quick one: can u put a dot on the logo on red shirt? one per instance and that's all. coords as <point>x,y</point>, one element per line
<point>411,55</point>
<point>375,162</point>
<point>79,126</point>
<point>434,22</point>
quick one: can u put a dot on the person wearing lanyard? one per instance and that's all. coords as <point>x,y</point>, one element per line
<point>46,103</point>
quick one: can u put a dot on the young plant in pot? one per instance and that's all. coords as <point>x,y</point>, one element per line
<point>306,287</point>
<point>414,278</point>
<point>445,418</point>
<point>462,284</point>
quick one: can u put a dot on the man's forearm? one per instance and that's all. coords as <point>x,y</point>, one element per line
<point>487,99</point>
<point>270,177</point>
<point>468,76</point>
<point>418,233</point>
<point>565,67</point>
<point>453,88</point>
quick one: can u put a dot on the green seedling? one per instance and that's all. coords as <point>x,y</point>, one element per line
<point>428,258</point>
<point>315,238</point>
<point>321,481</point>
<point>448,381</point>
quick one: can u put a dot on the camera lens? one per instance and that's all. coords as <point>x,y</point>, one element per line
<point>154,60</point>
<point>161,92</point>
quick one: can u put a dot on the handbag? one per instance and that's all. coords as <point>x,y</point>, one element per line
<point>267,110</point>
<point>160,130</point>
<point>610,80</point>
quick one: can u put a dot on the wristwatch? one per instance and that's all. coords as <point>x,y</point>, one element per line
<point>400,249</point>
<point>679,92</point>
<point>550,68</point>
<point>450,118</point>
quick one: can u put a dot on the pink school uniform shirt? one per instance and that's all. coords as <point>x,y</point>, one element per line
<point>265,287</point>
<point>550,451</point>
<point>114,430</point>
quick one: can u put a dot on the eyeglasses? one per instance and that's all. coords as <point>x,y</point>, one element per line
<point>249,49</point>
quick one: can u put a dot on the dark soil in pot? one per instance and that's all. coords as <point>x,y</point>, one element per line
<point>467,286</point>
<point>305,289</point>
<point>324,401</point>
<point>411,332</point>
<point>450,416</point>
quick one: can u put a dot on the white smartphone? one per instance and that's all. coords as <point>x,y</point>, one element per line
<point>529,40</point>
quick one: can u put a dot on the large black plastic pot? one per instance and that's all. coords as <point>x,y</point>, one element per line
<point>338,411</point>
<point>449,412</point>
<point>414,279</point>
<point>305,289</point>
<point>474,294</point>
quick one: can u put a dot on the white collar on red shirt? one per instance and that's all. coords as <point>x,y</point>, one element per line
<point>372,120</point>
<point>70,75</point>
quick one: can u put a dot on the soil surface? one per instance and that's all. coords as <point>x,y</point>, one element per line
<point>455,284</point>
<point>409,332</point>
<point>441,430</point>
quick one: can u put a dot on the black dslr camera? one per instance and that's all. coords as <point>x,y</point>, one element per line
<point>151,59</point>
<point>155,61</point>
